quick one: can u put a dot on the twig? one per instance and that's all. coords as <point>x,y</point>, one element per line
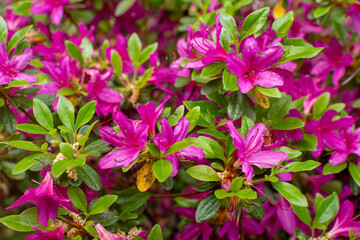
<point>174,195</point>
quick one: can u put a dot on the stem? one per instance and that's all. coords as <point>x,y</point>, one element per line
<point>350,77</point>
<point>28,115</point>
<point>174,195</point>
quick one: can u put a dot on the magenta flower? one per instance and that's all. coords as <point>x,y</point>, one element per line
<point>56,234</point>
<point>351,145</point>
<point>212,51</point>
<point>248,149</point>
<point>130,141</point>
<point>354,11</point>
<point>10,69</point>
<point>334,61</point>
<point>47,198</point>
<point>149,114</point>
<point>56,50</point>
<point>105,234</point>
<point>254,68</point>
<point>169,137</point>
<point>324,130</point>
<point>54,7</point>
<point>193,230</point>
<point>108,100</point>
<point>344,222</point>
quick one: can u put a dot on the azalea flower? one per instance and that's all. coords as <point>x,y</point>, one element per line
<point>351,145</point>
<point>56,234</point>
<point>333,61</point>
<point>149,114</point>
<point>324,130</point>
<point>344,222</point>
<point>47,198</point>
<point>254,68</point>
<point>169,137</point>
<point>130,141</point>
<point>54,7</point>
<point>249,149</point>
<point>105,234</point>
<point>10,69</point>
<point>354,11</point>
<point>108,100</point>
<point>212,51</point>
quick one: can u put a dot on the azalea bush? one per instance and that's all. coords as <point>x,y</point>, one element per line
<point>179,119</point>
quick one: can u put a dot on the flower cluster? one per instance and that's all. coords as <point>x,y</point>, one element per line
<point>130,120</point>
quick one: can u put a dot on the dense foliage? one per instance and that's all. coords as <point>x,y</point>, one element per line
<point>178,119</point>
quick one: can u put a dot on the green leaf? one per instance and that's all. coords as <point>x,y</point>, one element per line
<point>240,105</point>
<point>326,209</point>
<point>145,54</point>
<point>212,70</point>
<point>208,110</point>
<point>17,37</point>
<point>322,10</point>
<point>355,173</point>
<point>228,23</point>
<point>31,128</point>
<point>236,184</point>
<point>116,62</point>
<point>303,214</point>
<point>330,169</point>
<point>74,52</point>
<point>144,78</point>
<point>174,118</point>
<point>162,170</point>
<point>85,114</point>
<point>254,22</point>
<point>321,104</point>
<point>203,173</point>
<point>283,23</point>
<point>155,233</point>
<point>271,92</point>
<point>215,147</point>
<point>230,81</point>
<point>3,31</point>
<point>42,114</point>
<point>90,176</point>
<point>87,47</point>
<point>29,146</point>
<point>17,223</point>
<point>8,119</point>
<point>134,47</point>
<point>300,52</point>
<point>65,92</point>
<point>67,150</point>
<point>291,193</point>
<point>123,6</point>
<point>221,194</point>
<point>193,116</point>
<point>207,208</point>
<point>178,146</point>
<point>288,123</point>
<point>102,204</point>
<point>65,111</point>
<point>246,125</point>
<point>279,109</point>
<point>256,209</point>
<point>289,151</point>
<point>309,143</point>
<point>77,198</point>
<point>300,166</point>
<point>246,194</point>
<point>26,163</point>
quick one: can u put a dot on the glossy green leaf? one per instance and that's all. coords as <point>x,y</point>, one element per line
<point>203,173</point>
